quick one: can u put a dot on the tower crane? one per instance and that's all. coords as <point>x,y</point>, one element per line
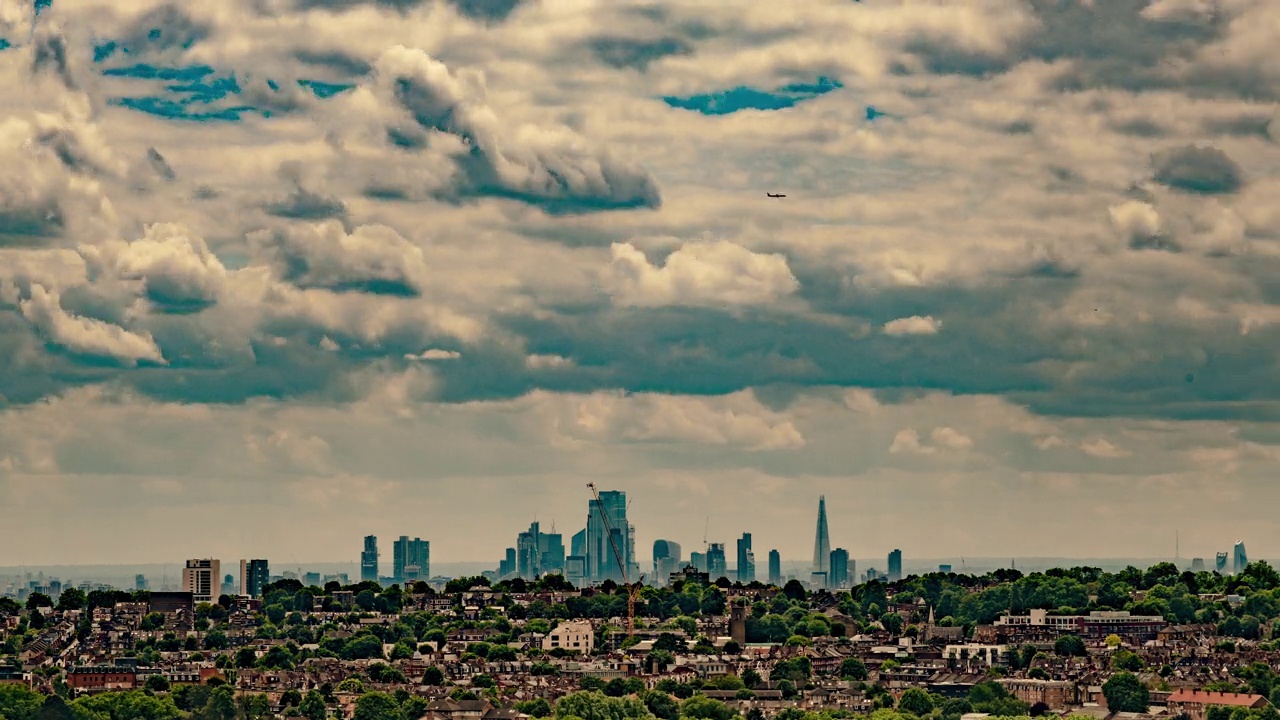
<point>633,590</point>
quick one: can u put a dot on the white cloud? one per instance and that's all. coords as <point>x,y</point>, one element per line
<point>87,336</point>
<point>1102,448</point>
<point>709,273</point>
<point>907,441</point>
<point>547,362</point>
<point>174,265</point>
<point>914,325</point>
<point>435,354</point>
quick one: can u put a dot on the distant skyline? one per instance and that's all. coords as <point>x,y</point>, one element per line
<point>278,274</point>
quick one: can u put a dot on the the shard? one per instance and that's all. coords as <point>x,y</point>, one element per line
<point>822,539</point>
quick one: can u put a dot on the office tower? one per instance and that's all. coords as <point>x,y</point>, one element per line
<point>746,560</point>
<point>775,567</point>
<point>1239,559</point>
<point>818,580</point>
<point>895,565</point>
<point>528,552</point>
<point>139,582</point>
<point>698,561</point>
<point>1197,565</point>
<point>666,560</point>
<point>944,568</point>
<point>602,564</point>
<point>872,574</point>
<point>822,539</point>
<point>254,574</point>
<point>717,564</point>
<point>200,578</point>
<point>410,559</point>
<point>507,568</point>
<point>578,543</point>
<point>551,550</point>
<point>1220,564</point>
<point>575,570</point>
<point>229,586</point>
<point>369,559</point>
<point>311,579</point>
<point>838,575</point>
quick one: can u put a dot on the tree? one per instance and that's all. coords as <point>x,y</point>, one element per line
<point>157,683</point>
<point>1126,660</point>
<point>916,702</point>
<point>662,705</point>
<point>312,706</point>
<point>1070,645</point>
<point>54,708</point>
<point>853,669</point>
<point>704,708</point>
<point>538,708</point>
<point>291,698</point>
<point>377,706</point>
<point>433,676</point>
<point>1113,640</point>
<point>1126,693</point>
<point>71,599</point>
<point>221,705</point>
<point>18,702</point>
<point>38,600</point>
<point>794,590</point>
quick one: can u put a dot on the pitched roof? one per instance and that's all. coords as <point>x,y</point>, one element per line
<point>1205,697</point>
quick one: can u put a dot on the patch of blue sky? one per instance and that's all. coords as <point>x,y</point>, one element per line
<point>143,71</point>
<point>4,44</point>
<point>42,5</point>
<point>325,89</point>
<point>746,98</point>
<point>183,110</point>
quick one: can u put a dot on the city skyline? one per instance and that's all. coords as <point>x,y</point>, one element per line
<point>413,267</point>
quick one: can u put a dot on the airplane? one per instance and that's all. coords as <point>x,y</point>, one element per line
<point>772,195</point>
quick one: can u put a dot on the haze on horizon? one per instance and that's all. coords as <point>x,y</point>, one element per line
<point>276,274</point>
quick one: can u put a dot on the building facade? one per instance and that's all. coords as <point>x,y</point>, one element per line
<point>201,578</point>
<point>821,538</point>
<point>369,559</point>
<point>254,575</point>
<point>895,565</point>
<point>666,559</point>
<point>607,529</point>
<point>717,563</point>
<point>410,559</point>
<point>838,575</point>
<point>746,560</point>
<point>775,567</point>
<point>576,635</point>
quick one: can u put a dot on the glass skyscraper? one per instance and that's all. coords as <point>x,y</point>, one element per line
<point>369,559</point>
<point>822,538</point>
<point>601,563</point>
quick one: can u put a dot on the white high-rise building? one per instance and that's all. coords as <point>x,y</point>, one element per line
<point>202,578</point>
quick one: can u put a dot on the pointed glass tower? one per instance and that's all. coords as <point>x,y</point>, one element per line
<point>821,540</point>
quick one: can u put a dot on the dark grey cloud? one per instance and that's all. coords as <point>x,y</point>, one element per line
<point>1198,169</point>
<point>21,226</point>
<point>622,52</point>
<point>303,204</point>
<point>487,10</point>
<point>49,55</point>
<point>160,165</point>
<point>163,29</point>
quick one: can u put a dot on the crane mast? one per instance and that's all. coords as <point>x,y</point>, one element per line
<point>633,591</point>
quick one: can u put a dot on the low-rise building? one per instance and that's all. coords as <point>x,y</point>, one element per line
<point>576,635</point>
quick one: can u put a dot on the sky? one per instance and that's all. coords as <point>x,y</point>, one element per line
<point>277,274</point>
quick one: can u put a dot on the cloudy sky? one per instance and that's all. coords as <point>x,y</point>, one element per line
<point>275,274</point>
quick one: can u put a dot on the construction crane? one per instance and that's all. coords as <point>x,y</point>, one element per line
<point>633,591</point>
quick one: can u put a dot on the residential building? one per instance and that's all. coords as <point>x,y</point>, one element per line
<point>895,565</point>
<point>254,575</point>
<point>1097,624</point>
<point>200,577</point>
<point>975,652</point>
<point>1196,703</point>
<point>838,576</point>
<point>746,560</point>
<point>717,564</point>
<point>369,559</point>
<point>822,538</point>
<point>102,677</point>
<point>775,567</point>
<point>666,559</point>
<point>575,635</point>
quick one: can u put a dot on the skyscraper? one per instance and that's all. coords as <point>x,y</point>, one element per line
<point>411,559</point>
<point>838,575</point>
<point>578,543</point>
<point>822,538</point>
<point>369,559</point>
<point>698,561</point>
<point>254,574</point>
<point>602,564</point>
<point>140,582</point>
<point>1240,560</point>
<point>895,565</point>
<point>1220,563</point>
<point>551,552</point>
<point>528,552</point>
<point>746,560</point>
<point>717,564</point>
<point>775,567</point>
<point>666,560</point>
<point>200,578</point>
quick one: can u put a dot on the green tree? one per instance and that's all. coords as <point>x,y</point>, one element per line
<point>377,706</point>
<point>221,706</point>
<point>38,600</point>
<point>433,676</point>
<point>313,706</point>
<point>538,708</point>
<point>662,705</point>
<point>54,708</point>
<point>1070,645</point>
<point>18,702</point>
<point>916,702</point>
<point>1126,693</point>
<point>1126,660</point>
<point>157,683</point>
<point>852,668</point>
<point>133,705</point>
<point>751,678</point>
<point>71,599</point>
<point>704,708</point>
